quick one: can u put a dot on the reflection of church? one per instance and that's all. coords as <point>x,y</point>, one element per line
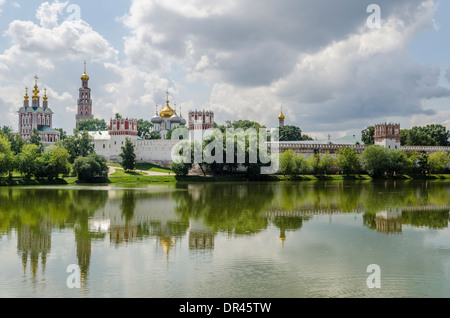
<point>201,237</point>
<point>34,242</point>
<point>389,221</point>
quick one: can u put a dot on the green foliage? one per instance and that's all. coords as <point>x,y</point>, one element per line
<point>35,138</point>
<point>375,160</point>
<point>327,164</point>
<point>244,124</point>
<point>367,135</point>
<point>399,163</point>
<point>93,125</point>
<point>290,133</point>
<point>91,169</point>
<point>438,162</point>
<point>180,168</point>
<point>128,156</point>
<point>58,162</point>
<point>287,162</point>
<point>348,161</point>
<point>181,131</point>
<point>144,127</point>
<point>6,156</point>
<point>429,135</point>
<point>155,135</point>
<point>25,160</point>
<point>79,145</point>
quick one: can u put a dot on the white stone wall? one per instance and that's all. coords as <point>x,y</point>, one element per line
<point>389,144</point>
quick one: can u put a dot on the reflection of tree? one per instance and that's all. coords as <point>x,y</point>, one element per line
<point>128,205</point>
<point>430,219</point>
<point>232,208</point>
<point>288,223</point>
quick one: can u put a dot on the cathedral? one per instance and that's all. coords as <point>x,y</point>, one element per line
<point>37,117</point>
<point>167,120</point>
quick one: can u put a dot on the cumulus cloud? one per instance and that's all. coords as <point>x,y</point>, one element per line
<point>318,59</point>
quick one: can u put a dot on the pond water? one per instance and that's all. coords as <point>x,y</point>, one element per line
<point>227,240</point>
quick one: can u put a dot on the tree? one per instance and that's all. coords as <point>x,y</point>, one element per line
<point>58,162</point>
<point>118,116</point>
<point>144,127</point>
<point>6,156</point>
<point>181,133</point>
<point>287,162</point>
<point>367,135</point>
<point>438,133</point>
<point>244,124</point>
<point>301,164</point>
<point>375,160</point>
<point>128,156</point>
<point>25,160</point>
<point>155,135</point>
<point>290,133</point>
<point>438,162</point>
<point>92,168</point>
<point>93,125</point>
<point>35,138</point>
<point>347,160</point>
<point>80,144</point>
<point>327,164</point>
<point>399,163</point>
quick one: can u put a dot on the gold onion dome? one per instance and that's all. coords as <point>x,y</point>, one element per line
<point>26,97</point>
<point>167,112</point>
<point>85,77</point>
<point>281,116</point>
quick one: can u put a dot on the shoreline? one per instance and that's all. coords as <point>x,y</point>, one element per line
<point>150,179</point>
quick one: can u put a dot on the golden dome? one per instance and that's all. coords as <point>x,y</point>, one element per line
<point>85,77</point>
<point>167,111</point>
<point>281,116</point>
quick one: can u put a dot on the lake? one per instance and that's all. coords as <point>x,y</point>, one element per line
<point>227,240</point>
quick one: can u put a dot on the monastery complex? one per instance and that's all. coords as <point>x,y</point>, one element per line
<point>199,122</point>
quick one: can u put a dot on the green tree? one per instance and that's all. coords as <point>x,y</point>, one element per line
<point>62,133</point>
<point>81,144</point>
<point>399,163</point>
<point>367,135</point>
<point>144,127</point>
<point>35,138</point>
<point>128,156</point>
<point>94,124</point>
<point>244,124</point>
<point>301,164</point>
<point>25,160</point>
<point>326,164</point>
<point>438,162</point>
<point>183,131</point>
<point>92,168</point>
<point>438,133</point>
<point>58,162</point>
<point>347,160</point>
<point>6,156</point>
<point>155,135</point>
<point>375,160</point>
<point>290,133</point>
<point>287,162</point>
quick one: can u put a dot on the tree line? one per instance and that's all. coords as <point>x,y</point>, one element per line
<point>376,161</point>
<point>429,135</point>
<point>73,155</point>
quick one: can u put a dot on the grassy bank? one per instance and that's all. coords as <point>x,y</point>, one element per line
<point>122,177</point>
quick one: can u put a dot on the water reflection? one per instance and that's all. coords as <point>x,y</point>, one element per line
<point>201,211</point>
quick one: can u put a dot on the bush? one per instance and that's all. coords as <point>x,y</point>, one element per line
<point>91,169</point>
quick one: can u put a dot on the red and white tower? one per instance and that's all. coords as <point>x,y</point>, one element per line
<point>200,123</point>
<point>387,135</point>
<point>84,111</point>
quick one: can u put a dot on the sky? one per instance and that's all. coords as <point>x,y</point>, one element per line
<point>322,62</point>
